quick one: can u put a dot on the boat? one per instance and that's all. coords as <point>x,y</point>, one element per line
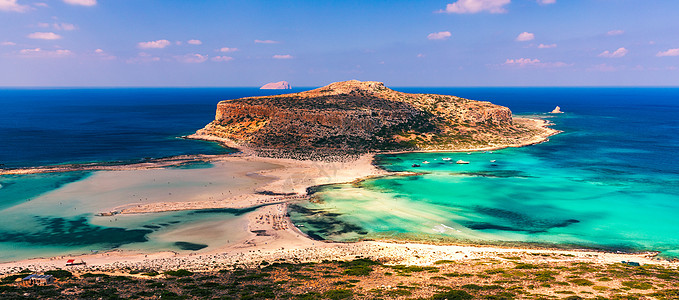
<point>425,162</point>
<point>492,160</point>
<point>446,158</point>
<point>462,162</point>
<point>416,166</point>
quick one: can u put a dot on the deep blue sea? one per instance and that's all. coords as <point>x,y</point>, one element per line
<point>54,126</point>
<point>611,180</point>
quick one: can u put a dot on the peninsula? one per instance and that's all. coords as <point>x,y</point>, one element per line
<point>353,117</point>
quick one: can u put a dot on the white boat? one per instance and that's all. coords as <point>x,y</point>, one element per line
<point>446,158</point>
<point>425,162</point>
<point>492,160</point>
<point>462,162</point>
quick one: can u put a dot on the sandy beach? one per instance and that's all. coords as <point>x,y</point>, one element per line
<point>271,183</point>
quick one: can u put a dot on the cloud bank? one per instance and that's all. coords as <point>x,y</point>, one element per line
<point>159,44</point>
<point>12,5</point>
<point>44,36</point>
<point>615,54</point>
<point>81,2</point>
<point>525,36</point>
<point>476,6</point>
<point>443,35</point>
<point>282,56</point>
<point>668,52</point>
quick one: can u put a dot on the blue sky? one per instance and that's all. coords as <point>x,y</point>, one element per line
<point>312,43</point>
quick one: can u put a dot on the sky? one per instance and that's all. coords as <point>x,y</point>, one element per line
<point>221,43</point>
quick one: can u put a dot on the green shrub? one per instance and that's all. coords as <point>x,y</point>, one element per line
<point>338,294</point>
<point>640,285</point>
<point>451,295</point>
<point>94,275</point>
<point>582,282</point>
<point>178,273</point>
<point>59,273</point>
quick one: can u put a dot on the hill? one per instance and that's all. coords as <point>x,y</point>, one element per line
<point>355,117</point>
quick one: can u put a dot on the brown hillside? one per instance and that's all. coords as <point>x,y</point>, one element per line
<point>355,117</point>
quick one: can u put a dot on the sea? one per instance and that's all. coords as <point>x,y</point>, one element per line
<point>609,181</point>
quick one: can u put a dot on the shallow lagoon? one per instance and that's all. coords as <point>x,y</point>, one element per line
<point>608,182</point>
<point>55,213</point>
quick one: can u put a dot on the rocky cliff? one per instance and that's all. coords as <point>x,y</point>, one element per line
<point>354,117</point>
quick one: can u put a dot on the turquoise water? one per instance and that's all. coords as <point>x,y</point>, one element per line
<point>44,215</point>
<point>610,181</point>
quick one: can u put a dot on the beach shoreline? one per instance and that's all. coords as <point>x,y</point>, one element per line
<point>273,236</point>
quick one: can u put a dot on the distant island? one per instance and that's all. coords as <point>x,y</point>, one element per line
<point>281,85</point>
<point>353,117</point>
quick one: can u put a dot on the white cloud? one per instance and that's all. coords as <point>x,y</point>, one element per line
<point>194,42</point>
<point>41,4</point>
<point>546,1</point>
<point>103,55</point>
<point>476,6</point>
<point>543,46</point>
<point>615,54</point>
<point>615,32</point>
<point>159,44</point>
<point>12,5</point>
<point>192,58</point>
<point>668,52</point>
<point>522,61</point>
<point>443,35</point>
<point>44,36</point>
<point>282,56</point>
<point>227,49</point>
<point>525,36</point>
<point>266,42</point>
<point>222,58</point>
<point>8,44</point>
<point>528,62</point>
<point>81,2</point>
<point>37,52</point>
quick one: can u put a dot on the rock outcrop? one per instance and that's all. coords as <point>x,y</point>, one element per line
<point>281,85</point>
<point>354,117</point>
<point>556,110</point>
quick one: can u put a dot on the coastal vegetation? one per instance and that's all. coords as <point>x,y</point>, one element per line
<point>506,278</point>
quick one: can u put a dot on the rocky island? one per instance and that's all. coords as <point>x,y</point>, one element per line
<point>352,117</point>
<point>281,85</point>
